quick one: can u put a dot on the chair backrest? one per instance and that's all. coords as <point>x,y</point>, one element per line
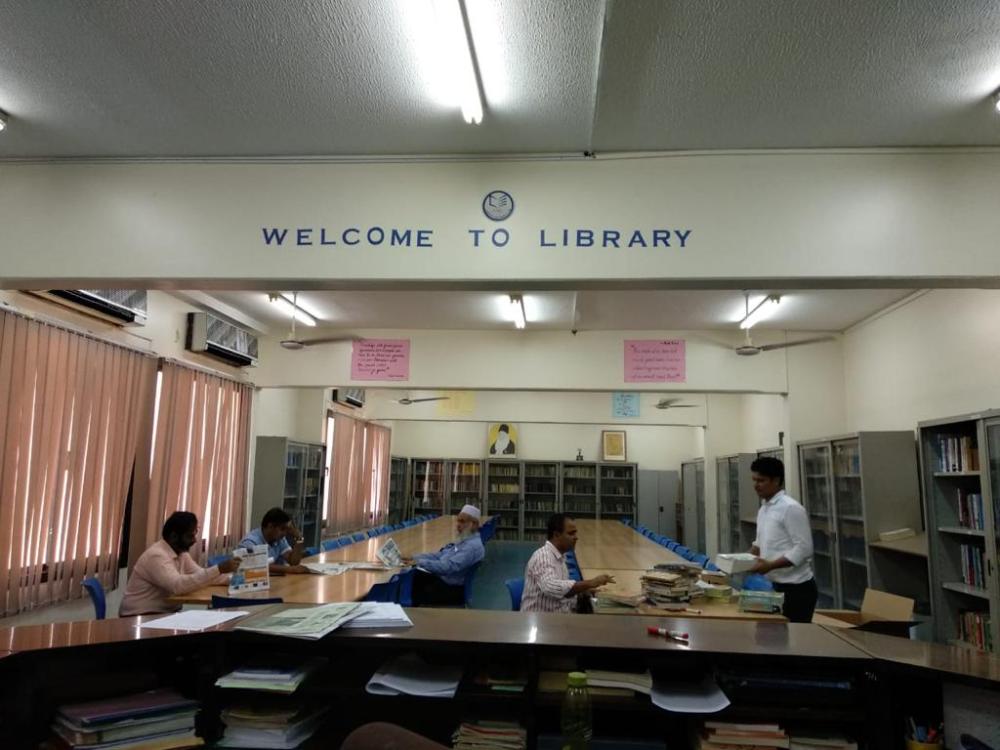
<point>516,588</point>
<point>216,559</point>
<point>310,551</point>
<point>672,546</point>
<point>683,551</point>
<point>712,566</point>
<point>96,591</point>
<point>467,587</point>
<point>372,532</point>
<point>397,526</point>
<point>701,558</point>
<point>221,602</point>
<point>359,537</point>
<point>404,596</point>
<point>384,592</point>
<point>329,544</point>
<point>410,522</point>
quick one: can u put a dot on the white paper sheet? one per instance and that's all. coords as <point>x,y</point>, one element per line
<point>194,619</point>
<point>705,697</point>
<point>380,615</point>
<point>410,675</point>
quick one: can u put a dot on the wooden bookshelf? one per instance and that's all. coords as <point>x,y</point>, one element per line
<point>960,457</point>
<point>617,491</point>
<point>580,489</point>
<point>855,487</point>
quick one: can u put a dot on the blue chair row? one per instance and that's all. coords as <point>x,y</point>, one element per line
<point>573,566</point>
<point>488,530</point>
<point>699,558</point>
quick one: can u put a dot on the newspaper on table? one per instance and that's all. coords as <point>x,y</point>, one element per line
<point>252,575</point>
<point>326,569</point>
<point>310,623</point>
<point>390,554</point>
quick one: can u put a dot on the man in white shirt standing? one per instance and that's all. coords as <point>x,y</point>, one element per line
<point>784,541</point>
<point>547,585</point>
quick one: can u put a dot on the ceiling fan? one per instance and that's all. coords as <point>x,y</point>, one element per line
<point>295,344</point>
<point>407,401</point>
<point>671,403</point>
<point>749,349</point>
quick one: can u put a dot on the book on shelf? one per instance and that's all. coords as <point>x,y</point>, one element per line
<point>489,735</point>
<point>974,628</point>
<point>821,742</point>
<point>970,510</point>
<point>896,534</point>
<point>269,726</point>
<point>274,675</point>
<point>973,568</point>
<point>641,682</point>
<point>720,735</point>
<point>957,453</point>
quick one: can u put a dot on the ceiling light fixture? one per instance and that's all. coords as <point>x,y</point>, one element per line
<point>3,120</point>
<point>996,100</point>
<point>517,311</point>
<point>290,309</point>
<point>457,58</point>
<point>764,310</point>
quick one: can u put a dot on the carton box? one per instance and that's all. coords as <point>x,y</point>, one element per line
<point>881,612</point>
<point>737,562</point>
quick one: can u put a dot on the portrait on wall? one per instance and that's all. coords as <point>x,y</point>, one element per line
<point>613,445</point>
<point>502,440</point>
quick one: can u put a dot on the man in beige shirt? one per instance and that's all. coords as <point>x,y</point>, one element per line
<point>166,569</point>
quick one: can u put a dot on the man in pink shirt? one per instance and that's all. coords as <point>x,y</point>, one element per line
<point>166,569</point>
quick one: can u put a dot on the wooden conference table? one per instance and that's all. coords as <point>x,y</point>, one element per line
<point>352,585</point>
<point>612,548</point>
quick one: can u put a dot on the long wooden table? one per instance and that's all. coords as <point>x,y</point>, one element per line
<point>612,548</point>
<point>352,585</point>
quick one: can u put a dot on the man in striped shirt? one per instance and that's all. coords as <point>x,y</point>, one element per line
<point>547,585</point>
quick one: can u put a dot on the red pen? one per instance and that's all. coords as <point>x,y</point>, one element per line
<point>674,635</point>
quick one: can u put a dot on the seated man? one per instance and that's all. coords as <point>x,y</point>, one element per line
<point>547,585</point>
<point>440,577</point>
<point>276,529</point>
<point>166,569</point>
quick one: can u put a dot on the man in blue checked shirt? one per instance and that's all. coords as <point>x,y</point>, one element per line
<point>285,546</point>
<point>440,576</point>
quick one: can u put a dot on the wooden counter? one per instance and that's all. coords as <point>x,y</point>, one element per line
<point>353,585</point>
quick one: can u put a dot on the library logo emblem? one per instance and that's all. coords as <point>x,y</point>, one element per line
<point>498,205</point>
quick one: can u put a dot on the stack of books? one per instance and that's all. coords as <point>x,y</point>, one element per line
<point>721,735</point>
<point>274,727</point>
<point>668,590</point>
<point>155,720</point>
<point>974,628</point>
<point>957,453</point>
<point>270,676</point>
<point>819,742</point>
<point>640,682</point>
<point>489,735</point>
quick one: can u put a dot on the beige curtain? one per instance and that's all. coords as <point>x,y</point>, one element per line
<point>359,485</point>
<point>199,460</point>
<point>71,412</point>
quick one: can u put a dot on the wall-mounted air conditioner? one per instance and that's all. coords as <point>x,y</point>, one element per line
<point>121,306</point>
<point>211,335</point>
<point>349,396</point>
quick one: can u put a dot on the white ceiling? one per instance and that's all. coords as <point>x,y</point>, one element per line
<point>814,310</point>
<point>320,77</point>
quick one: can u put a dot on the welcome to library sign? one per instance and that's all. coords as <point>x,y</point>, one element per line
<point>811,217</point>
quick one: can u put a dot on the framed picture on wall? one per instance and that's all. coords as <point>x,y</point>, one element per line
<point>612,445</point>
<point>502,440</point>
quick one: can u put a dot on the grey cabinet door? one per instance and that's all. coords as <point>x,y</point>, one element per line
<point>657,501</point>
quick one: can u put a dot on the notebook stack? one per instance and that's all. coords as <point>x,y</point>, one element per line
<point>272,677</point>
<point>669,589</point>
<point>155,720</point>
<point>489,735</point>
<point>720,735</point>
<point>275,728</point>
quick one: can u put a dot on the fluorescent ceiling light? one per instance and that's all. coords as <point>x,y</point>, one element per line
<point>456,63</point>
<point>764,310</point>
<point>285,304</point>
<point>517,311</point>
<point>996,100</point>
<point>3,120</point>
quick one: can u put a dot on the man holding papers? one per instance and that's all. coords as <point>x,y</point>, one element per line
<point>440,577</point>
<point>285,546</point>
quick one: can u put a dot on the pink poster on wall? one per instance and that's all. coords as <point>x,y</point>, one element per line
<point>380,359</point>
<point>655,361</point>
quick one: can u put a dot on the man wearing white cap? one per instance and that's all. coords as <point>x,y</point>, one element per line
<point>440,578</point>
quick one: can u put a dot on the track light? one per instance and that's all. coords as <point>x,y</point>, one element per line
<point>517,311</point>
<point>764,309</point>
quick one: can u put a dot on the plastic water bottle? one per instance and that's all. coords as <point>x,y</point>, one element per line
<point>577,724</point>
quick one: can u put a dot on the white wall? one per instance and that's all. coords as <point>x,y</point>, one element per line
<point>296,413</point>
<point>937,356</point>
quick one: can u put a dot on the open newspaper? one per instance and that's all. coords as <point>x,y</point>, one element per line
<point>252,575</point>
<point>310,623</point>
<point>390,554</point>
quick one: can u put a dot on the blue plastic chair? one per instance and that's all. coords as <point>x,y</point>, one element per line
<point>683,551</point>
<point>372,533</point>
<point>222,602</point>
<point>701,559</point>
<point>404,596</point>
<point>672,546</point>
<point>397,526</point>
<point>757,582</point>
<point>467,588</point>
<point>216,559</point>
<point>516,588</point>
<point>329,544</point>
<point>96,591</point>
<point>310,551</point>
<point>713,567</point>
<point>384,592</point>
<point>344,541</point>
<point>410,522</point>
<point>359,537</point>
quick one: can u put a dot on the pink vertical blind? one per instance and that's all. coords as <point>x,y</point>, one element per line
<point>72,410</point>
<point>359,485</point>
<point>199,460</point>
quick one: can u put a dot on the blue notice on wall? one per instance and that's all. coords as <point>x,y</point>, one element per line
<point>624,405</point>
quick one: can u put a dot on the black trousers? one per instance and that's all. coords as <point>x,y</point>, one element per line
<point>430,591</point>
<point>800,600</point>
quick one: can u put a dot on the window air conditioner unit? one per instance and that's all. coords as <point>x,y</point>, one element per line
<point>349,396</point>
<point>211,335</point>
<point>121,306</point>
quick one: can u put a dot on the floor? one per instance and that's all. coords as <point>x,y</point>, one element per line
<point>503,560</point>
